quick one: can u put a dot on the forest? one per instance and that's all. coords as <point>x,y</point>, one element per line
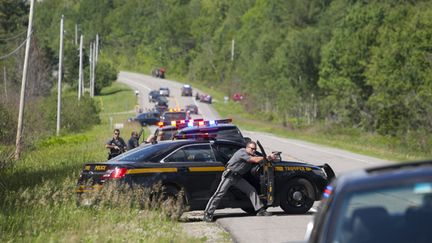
<point>363,64</point>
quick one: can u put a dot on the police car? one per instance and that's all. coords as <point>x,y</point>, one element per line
<point>197,128</point>
<point>195,168</point>
<point>391,203</point>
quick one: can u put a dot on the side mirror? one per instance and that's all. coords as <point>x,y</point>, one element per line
<point>278,156</point>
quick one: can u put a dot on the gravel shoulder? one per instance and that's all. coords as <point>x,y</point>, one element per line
<point>208,232</point>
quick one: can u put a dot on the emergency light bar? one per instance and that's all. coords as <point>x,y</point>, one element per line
<point>196,136</point>
<point>194,123</point>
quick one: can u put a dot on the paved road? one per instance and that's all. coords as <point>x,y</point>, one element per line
<point>243,228</point>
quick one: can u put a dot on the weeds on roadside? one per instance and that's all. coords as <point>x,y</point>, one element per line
<point>49,212</point>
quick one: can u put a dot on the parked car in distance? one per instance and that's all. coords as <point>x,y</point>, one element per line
<point>158,72</point>
<point>153,95</point>
<point>205,98</point>
<point>237,97</point>
<point>391,203</point>
<point>164,91</point>
<point>186,90</point>
<point>148,118</point>
<point>192,108</point>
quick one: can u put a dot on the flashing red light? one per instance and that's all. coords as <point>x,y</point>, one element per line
<point>201,123</point>
<point>160,124</point>
<point>118,173</point>
<point>182,122</point>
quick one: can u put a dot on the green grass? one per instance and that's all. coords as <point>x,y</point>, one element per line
<point>37,199</point>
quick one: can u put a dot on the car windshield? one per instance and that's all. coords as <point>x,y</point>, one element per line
<point>143,153</point>
<point>174,116</point>
<point>398,213</point>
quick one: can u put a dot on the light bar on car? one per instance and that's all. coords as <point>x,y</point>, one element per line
<point>196,136</point>
<point>194,123</point>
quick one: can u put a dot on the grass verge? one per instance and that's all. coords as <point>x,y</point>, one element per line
<point>37,198</point>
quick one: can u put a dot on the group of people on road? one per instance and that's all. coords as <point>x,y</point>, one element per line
<point>240,163</point>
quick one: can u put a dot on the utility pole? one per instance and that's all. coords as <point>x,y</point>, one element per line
<point>76,34</point>
<point>232,49</point>
<point>5,81</point>
<point>91,67</point>
<point>80,75</point>
<point>18,142</point>
<point>59,89</point>
<point>97,47</point>
<point>94,69</point>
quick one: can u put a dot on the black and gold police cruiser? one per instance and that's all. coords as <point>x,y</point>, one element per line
<point>195,167</point>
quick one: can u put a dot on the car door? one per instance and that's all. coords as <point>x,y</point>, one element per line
<point>198,171</point>
<point>234,197</point>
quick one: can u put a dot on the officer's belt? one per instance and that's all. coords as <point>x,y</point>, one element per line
<point>229,172</point>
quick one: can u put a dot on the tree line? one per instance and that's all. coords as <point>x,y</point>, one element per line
<point>361,64</point>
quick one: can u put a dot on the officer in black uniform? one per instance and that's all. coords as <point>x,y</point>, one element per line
<point>240,163</point>
<point>116,145</point>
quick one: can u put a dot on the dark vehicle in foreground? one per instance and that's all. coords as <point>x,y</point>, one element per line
<point>195,168</point>
<point>390,203</point>
<point>193,109</point>
<point>148,118</point>
<point>186,90</point>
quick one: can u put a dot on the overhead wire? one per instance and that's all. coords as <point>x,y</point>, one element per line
<point>13,37</point>
<point>19,47</point>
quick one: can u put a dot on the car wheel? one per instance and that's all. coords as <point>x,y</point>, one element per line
<point>173,202</point>
<point>297,197</point>
<point>249,210</point>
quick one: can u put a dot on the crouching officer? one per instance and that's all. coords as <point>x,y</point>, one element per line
<point>240,163</point>
<point>116,145</point>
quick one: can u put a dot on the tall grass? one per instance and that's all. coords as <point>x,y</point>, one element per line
<point>38,199</point>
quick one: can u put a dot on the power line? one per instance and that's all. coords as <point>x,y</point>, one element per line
<point>13,37</point>
<point>13,52</point>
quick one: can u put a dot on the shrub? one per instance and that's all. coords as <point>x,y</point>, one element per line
<point>106,73</point>
<point>8,125</point>
<point>76,115</point>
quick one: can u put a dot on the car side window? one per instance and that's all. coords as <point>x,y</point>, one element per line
<point>194,153</point>
<point>226,151</point>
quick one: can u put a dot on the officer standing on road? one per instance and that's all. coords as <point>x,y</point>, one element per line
<point>239,164</point>
<point>133,141</point>
<point>116,145</point>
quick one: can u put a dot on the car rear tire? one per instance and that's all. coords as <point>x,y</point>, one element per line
<point>297,197</point>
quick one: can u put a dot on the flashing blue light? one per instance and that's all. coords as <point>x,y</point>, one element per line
<point>212,122</point>
<point>190,124</point>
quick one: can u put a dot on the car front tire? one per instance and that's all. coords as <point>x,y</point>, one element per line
<point>297,196</point>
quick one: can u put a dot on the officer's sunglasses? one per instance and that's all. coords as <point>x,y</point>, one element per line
<point>116,133</point>
<point>254,149</point>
